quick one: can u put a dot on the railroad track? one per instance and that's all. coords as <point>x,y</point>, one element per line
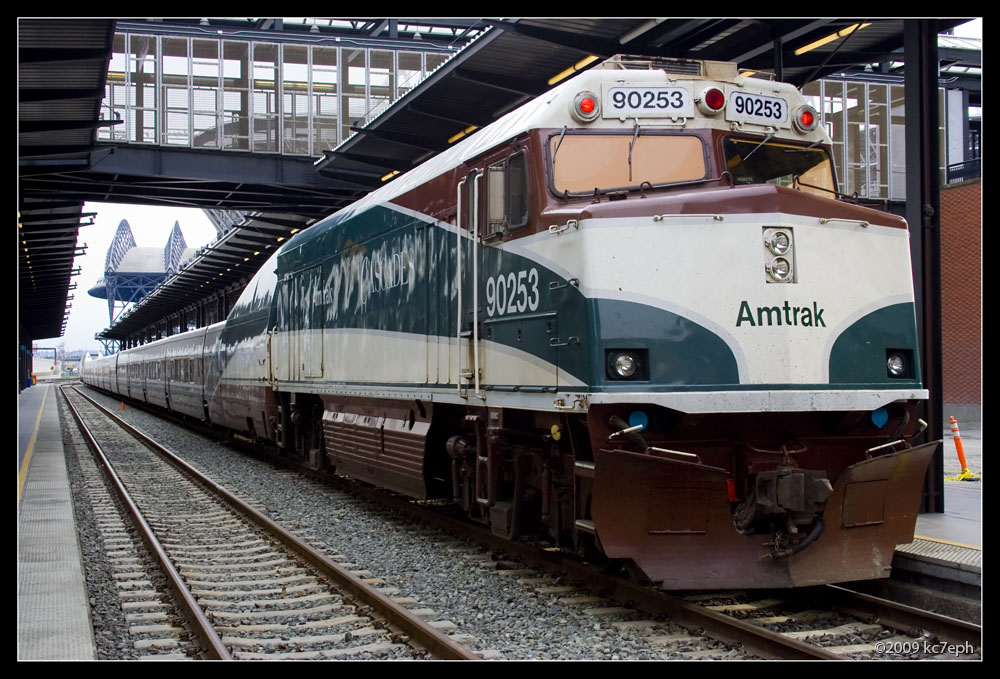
<point>801,624</point>
<point>843,624</point>
<point>824,623</point>
<point>247,589</point>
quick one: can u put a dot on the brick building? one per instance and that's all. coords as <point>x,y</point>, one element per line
<point>962,300</point>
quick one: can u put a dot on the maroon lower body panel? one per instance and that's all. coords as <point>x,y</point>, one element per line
<point>382,446</point>
<point>241,407</point>
<point>673,519</point>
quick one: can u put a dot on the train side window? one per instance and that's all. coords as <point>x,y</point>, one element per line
<point>507,194</point>
<point>496,214</point>
<point>517,190</point>
<point>468,209</point>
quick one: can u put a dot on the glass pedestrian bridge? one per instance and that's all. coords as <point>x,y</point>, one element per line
<point>251,96</point>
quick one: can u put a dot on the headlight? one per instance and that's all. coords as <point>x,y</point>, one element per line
<point>896,365</point>
<point>780,269</point>
<point>779,242</point>
<point>625,365</point>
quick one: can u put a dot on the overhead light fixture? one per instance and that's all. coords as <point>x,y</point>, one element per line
<point>469,130</point>
<point>384,178</point>
<point>830,38</point>
<point>639,30</point>
<point>583,63</point>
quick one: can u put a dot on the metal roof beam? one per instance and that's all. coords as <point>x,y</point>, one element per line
<point>28,205</point>
<point>479,122</point>
<point>586,44</point>
<point>370,161</point>
<point>505,83</point>
<point>33,95</point>
<point>30,151</point>
<point>25,126</point>
<point>277,221</point>
<point>671,31</point>
<point>31,233</point>
<point>55,54</point>
<point>394,138</point>
<point>955,55</point>
<point>31,218</point>
<point>679,43</point>
<point>758,39</point>
<point>381,26</point>
<point>234,168</point>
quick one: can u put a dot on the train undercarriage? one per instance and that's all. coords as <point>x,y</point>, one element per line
<point>693,501</point>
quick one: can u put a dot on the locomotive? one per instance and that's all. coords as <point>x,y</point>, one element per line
<point>632,317</point>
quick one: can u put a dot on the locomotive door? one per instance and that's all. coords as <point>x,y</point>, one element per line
<point>300,326</point>
<point>468,368</point>
<point>519,327</point>
<point>309,333</point>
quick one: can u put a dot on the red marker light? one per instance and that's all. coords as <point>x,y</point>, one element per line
<point>805,118</point>
<point>586,107</point>
<point>715,99</point>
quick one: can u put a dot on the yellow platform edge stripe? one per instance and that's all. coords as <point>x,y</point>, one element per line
<point>948,542</point>
<point>23,473</point>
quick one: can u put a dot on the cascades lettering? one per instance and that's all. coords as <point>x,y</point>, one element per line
<point>379,272</point>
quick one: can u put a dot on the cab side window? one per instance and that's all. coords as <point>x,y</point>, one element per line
<point>507,194</point>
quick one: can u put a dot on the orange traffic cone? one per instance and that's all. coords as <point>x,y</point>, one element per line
<point>966,475</point>
<point>123,405</point>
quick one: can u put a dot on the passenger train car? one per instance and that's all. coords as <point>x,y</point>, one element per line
<point>631,316</point>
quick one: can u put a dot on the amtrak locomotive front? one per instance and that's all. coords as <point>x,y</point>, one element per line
<point>631,316</point>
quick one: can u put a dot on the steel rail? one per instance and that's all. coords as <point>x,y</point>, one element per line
<point>440,645</point>
<point>757,640</point>
<point>902,617</point>
<point>201,626</point>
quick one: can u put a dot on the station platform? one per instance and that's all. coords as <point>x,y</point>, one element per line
<point>53,612</point>
<point>949,546</point>
<point>53,604</point>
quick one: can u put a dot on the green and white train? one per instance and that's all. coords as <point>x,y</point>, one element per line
<point>631,316</point>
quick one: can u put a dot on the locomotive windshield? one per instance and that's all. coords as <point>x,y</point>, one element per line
<point>584,162</point>
<point>753,161</point>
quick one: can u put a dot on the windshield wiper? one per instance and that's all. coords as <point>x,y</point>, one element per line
<point>558,144</point>
<point>765,140</point>
<point>635,136</point>
<point>804,148</point>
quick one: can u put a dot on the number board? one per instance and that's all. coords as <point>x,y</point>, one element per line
<point>645,101</point>
<point>748,107</point>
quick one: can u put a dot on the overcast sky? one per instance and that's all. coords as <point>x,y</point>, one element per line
<point>150,227</point>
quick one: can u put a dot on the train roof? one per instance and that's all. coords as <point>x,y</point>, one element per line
<point>551,111</point>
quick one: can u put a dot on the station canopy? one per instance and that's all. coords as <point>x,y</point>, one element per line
<point>497,65</point>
